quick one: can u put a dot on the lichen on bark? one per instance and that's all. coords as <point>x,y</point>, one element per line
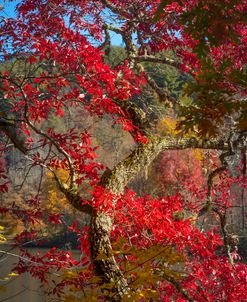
<point>115,182</point>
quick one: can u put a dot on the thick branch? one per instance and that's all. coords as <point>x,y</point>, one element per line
<point>115,182</point>
<point>9,128</point>
<point>115,29</point>
<point>136,114</point>
<point>208,206</point>
<point>164,96</point>
<point>153,59</point>
<point>223,224</point>
<point>75,199</point>
<point>116,10</point>
<point>146,153</point>
<point>179,288</point>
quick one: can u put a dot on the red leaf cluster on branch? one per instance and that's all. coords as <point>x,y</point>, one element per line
<point>64,68</point>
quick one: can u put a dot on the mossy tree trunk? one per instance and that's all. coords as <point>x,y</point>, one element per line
<point>115,182</point>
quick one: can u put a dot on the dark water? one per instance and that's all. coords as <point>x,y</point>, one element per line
<point>23,288</point>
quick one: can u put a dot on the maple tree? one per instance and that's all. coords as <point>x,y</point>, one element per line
<point>55,57</point>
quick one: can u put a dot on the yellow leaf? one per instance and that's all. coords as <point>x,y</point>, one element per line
<point>70,275</point>
<point>13,274</point>
<point>102,256</point>
<point>2,238</point>
<point>198,154</point>
<point>168,125</point>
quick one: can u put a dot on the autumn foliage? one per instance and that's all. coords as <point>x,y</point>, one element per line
<point>134,247</point>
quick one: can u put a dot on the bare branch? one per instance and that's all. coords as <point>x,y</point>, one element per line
<point>153,59</point>
<point>114,9</point>
<point>222,217</point>
<point>9,128</point>
<point>113,28</point>
<point>71,194</point>
<point>164,96</point>
<point>14,296</point>
<point>208,206</point>
<point>179,288</point>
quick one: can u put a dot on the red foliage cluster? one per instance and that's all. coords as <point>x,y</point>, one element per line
<point>60,44</point>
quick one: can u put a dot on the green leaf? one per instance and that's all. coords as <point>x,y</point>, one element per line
<point>159,11</point>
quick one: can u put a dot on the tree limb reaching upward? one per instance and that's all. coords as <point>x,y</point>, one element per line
<point>115,183</point>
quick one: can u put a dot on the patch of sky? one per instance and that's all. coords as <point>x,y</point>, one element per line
<point>8,8</point>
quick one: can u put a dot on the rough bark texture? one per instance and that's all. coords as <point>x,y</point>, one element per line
<point>74,198</point>
<point>104,262</point>
<point>236,165</point>
<point>101,223</point>
<point>115,182</point>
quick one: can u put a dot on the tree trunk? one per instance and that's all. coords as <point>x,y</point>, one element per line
<point>115,182</point>
<point>101,223</point>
